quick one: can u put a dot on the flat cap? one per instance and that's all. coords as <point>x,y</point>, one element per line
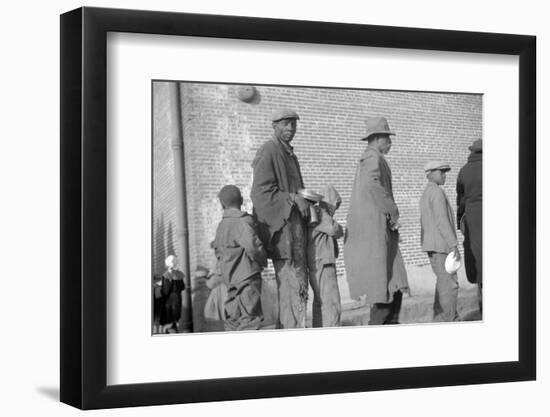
<point>433,165</point>
<point>284,114</point>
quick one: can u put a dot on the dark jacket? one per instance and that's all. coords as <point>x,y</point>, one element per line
<point>277,177</point>
<point>469,193</point>
<point>239,251</point>
<point>469,187</point>
<point>437,221</point>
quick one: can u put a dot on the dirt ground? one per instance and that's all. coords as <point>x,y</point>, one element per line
<point>418,309</point>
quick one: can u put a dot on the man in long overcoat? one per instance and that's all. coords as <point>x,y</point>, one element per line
<point>374,266</point>
<point>469,190</point>
<point>281,214</point>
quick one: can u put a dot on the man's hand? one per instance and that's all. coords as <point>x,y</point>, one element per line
<point>303,206</point>
<point>395,226</point>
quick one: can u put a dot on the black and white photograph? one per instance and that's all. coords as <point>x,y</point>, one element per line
<point>291,207</point>
<point>243,208</point>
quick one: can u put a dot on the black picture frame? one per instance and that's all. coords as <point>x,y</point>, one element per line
<point>84,207</point>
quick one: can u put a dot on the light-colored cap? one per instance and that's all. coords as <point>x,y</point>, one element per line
<point>452,264</point>
<point>284,114</point>
<point>433,165</point>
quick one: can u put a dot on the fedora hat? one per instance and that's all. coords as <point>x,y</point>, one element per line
<point>377,126</point>
<point>452,264</point>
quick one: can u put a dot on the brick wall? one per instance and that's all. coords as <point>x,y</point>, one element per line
<point>222,134</point>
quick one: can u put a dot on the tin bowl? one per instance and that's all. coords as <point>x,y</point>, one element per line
<point>310,195</point>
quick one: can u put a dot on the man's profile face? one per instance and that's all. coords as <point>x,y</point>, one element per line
<point>285,129</point>
<point>383,143</point>
<point>438,176</point>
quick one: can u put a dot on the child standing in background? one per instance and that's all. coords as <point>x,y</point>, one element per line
<point>241,257</point>
<point>322,252</point>
<point>171,287</point>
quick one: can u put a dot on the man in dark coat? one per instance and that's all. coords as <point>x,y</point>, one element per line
<point>374,265</point>
<point>281,213</point>
<point>469,191</point>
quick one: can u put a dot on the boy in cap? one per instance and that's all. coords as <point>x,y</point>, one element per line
<point>438,239</point>
<point>322,252</point>
<point>241,257</point>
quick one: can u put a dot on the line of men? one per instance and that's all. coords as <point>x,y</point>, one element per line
<point>304,252</point>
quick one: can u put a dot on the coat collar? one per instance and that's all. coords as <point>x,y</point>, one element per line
<point>233,213</point>
<point>284,146</point>
<point>475,156</point>
<point>369,149</point>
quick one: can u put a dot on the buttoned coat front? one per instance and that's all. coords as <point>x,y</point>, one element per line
<point>437,221</point>
<point>373,261</point>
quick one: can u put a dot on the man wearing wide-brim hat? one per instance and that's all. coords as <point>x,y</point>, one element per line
<point>281,213</point>
<point>438,239</point>
<point>374,266</point>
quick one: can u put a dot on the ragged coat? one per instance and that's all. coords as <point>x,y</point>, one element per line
<point>374,266</point>
<point>238,249</point>
<point>276,179</point>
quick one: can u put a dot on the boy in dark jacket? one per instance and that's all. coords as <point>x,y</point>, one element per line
<point>322,251</point>
<point>241,257</point>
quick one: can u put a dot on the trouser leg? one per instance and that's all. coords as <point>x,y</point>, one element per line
<point>395,308</point>
<point>480,297</point>
<point>386,313</point>
<point>243,308</point>
<point>330,297</point>
<point>314,281</point>
<point>446,289</point>
<point>326,296</point>
<point>292,279</point>
<point>292,285</point>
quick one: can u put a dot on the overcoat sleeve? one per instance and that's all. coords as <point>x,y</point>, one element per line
<point>370,177</point>
<point>460,206</point>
